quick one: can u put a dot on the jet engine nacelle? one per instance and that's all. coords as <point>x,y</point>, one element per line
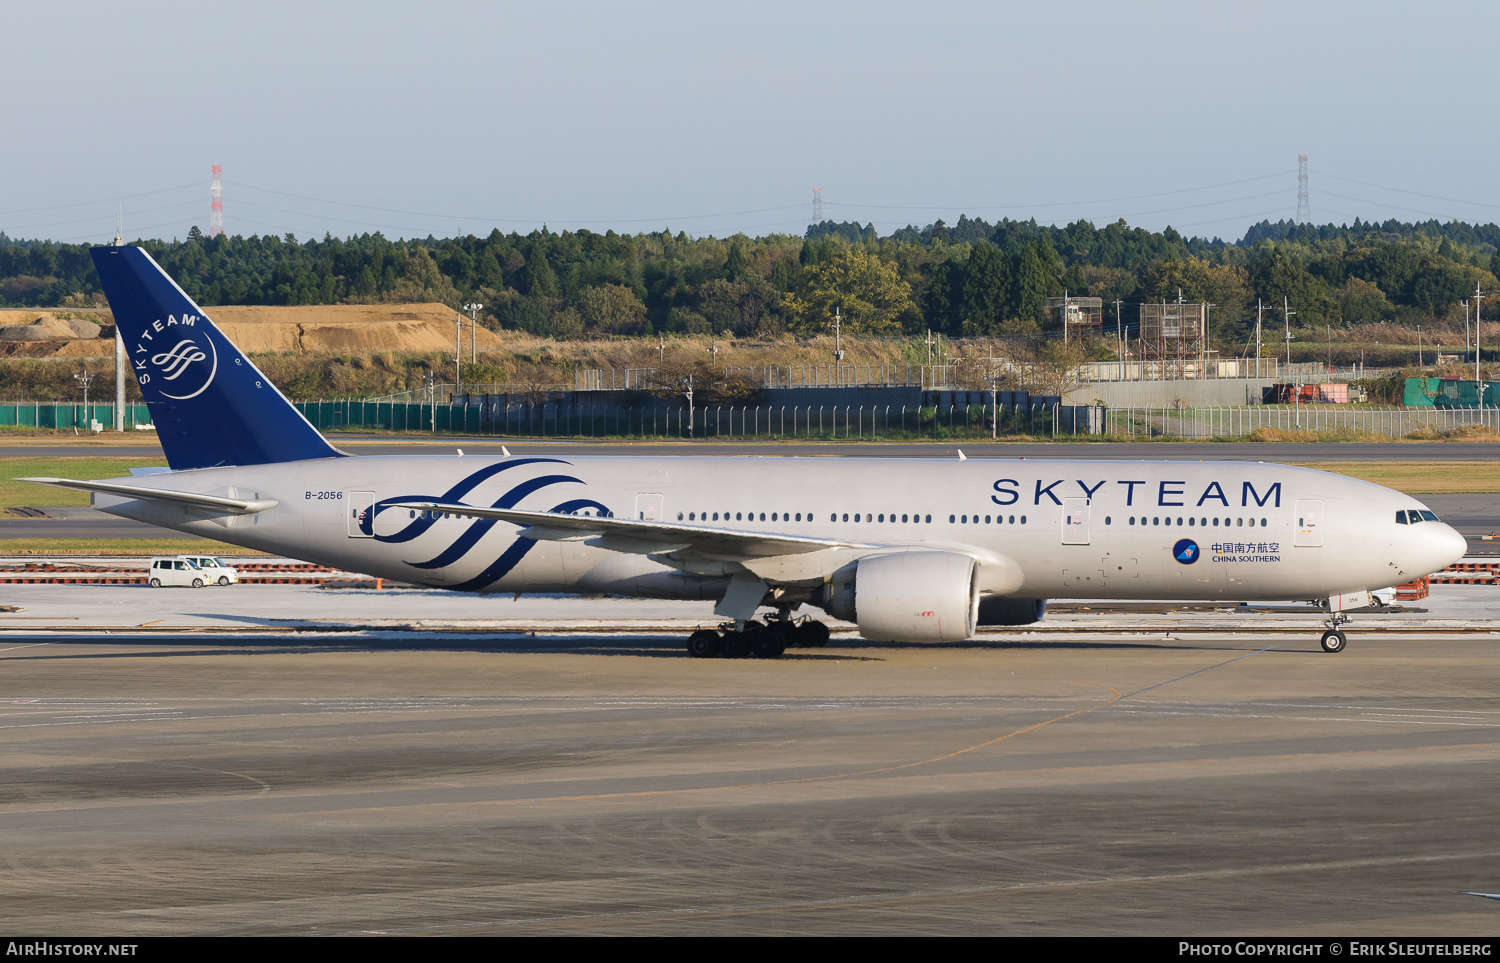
<point>1011,611</point>
<point>908,596</point>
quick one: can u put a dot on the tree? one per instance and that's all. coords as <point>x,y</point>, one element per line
<point>985,293</point>
<point>870,296</point>
<point>1225,286</point>
<point>736,265</point>
<point>613,309</point>
<point>1033,284</point>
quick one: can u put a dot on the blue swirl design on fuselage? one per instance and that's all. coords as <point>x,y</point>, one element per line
<point>512,556</point>
<point>481,527</point>
<point>477,529</point>
<point>420,526</point>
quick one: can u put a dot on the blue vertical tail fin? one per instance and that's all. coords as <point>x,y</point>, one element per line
<point>211,405</point>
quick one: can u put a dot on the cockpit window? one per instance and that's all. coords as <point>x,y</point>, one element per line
<point>1429,516</point>
<point>1401,517</point>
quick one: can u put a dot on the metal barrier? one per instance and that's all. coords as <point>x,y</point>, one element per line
<point>944,421</point>
<point>34,414</point>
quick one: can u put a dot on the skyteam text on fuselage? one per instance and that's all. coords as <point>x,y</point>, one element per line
<point>907,549</point>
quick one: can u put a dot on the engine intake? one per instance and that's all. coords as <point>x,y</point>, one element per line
<point>907,596</point>
<point>1011,611</point>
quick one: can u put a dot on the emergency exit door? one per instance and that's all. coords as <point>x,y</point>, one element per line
<point>1309,523</point>
<point>361,517</point>
<point>1075,521</point>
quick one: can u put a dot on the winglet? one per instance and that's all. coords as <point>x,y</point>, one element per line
<point>961,455</point>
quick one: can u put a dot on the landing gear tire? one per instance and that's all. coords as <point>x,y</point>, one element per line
<point>766,642</point>
<point>735,645</point>
<point>704,644</point>
<point>811,634</point>
<point>1334,641</point>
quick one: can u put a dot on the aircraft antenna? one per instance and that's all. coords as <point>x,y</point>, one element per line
<point>216,207</point>
<point>1304,211</point>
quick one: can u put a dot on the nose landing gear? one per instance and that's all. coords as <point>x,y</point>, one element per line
<point>1333,639</point>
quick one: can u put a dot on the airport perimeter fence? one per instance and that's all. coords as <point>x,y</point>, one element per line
<point>712,421</point>
<point>1242,420</point>
<point>828,422</point>
<point>49,414</point>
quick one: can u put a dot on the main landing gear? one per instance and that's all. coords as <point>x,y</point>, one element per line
<point>1333,639</point>
<point>758,640</point>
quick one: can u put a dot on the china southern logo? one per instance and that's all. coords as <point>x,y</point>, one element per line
<point>1185,551</point>
<point>190,363</point>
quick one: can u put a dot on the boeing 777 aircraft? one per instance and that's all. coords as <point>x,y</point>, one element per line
<point>919,550</point>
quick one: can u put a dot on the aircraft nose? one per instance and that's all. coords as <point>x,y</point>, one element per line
<point>1453,545</point>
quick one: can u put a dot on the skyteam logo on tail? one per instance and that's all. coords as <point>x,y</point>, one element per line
<point>176,351</point>
<point>1185,551</point>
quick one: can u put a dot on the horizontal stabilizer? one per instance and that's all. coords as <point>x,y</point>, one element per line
<point>230,506</point>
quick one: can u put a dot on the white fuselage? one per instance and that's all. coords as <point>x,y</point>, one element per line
<point>1077,529</point>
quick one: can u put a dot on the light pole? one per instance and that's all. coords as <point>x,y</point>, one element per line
<point>687,389</point>
<point>1287,310</point>
<point>995,406</point>
<point>1478,303</point>
<point>473,307</point>
<point>84,380</point>
<point>429,381</point>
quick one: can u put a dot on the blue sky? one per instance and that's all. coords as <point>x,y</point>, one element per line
<point>450,118</point>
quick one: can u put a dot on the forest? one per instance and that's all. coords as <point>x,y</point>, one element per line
<point>968,279</point>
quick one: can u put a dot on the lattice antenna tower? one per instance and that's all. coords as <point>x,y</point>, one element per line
<point>1304,211</point>
<point>817,217</point>
<point>216,209</point>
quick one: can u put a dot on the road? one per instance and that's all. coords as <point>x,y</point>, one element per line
<point>609,785</point>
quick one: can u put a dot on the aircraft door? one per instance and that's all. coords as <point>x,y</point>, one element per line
<point>648,507</point>
<point>361,514</point>
<point>1075,521</point>
<point>1309,523</point>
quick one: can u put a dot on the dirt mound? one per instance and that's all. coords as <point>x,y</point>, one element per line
<point>356,329</point>
<point>359,329</point>
<point>43,326</point>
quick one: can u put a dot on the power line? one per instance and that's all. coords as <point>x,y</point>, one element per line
<point>511,220</point>
<point>1104,200</point>
<point>107,200</point>
<point>1398,190</point>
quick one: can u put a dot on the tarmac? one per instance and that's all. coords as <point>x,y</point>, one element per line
<point>285,760</point>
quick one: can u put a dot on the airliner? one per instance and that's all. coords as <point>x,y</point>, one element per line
<point>916,550</point>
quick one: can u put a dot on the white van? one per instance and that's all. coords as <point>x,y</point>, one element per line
<point>176,571</point>
<point>214,568</point>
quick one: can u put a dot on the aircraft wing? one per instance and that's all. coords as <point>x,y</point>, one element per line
<point>232,506</point>
<point>649,538</point>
